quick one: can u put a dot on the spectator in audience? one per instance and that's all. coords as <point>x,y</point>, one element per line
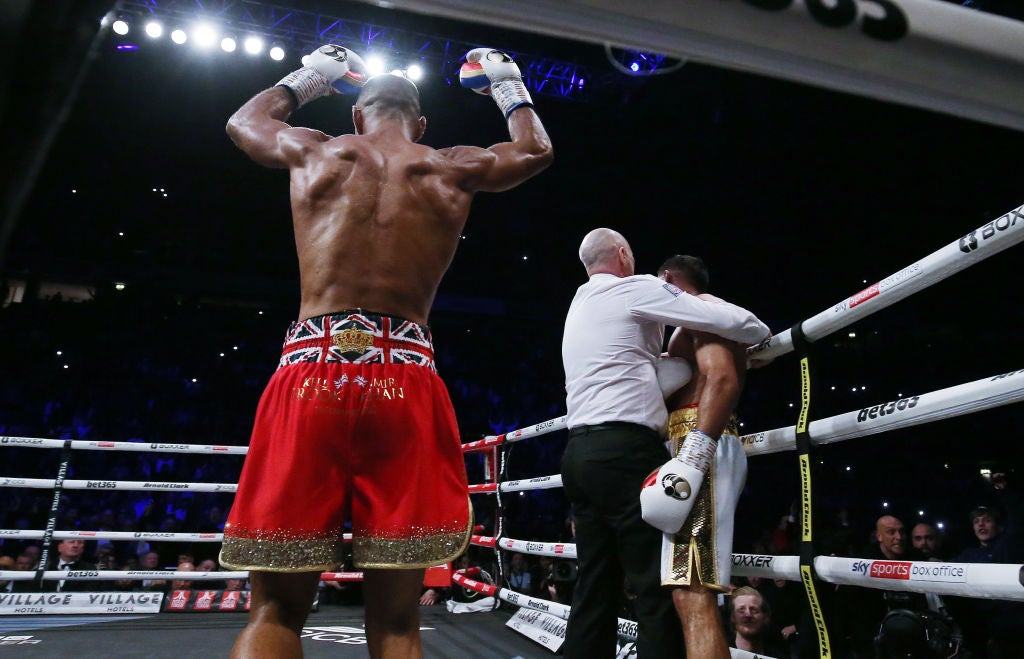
<point>927,542</point>
<point>25,561</point>
<point>990,625</point>
<point>519,578</point>
<point>183,584</point>
<point>69,557</point>
<point>209,565</point>
<point>151,561</point>
<point>236,584</point>
<point>132,563</point>
<point>750,621</point>
<point>891,622</point>
<point>7,585</point>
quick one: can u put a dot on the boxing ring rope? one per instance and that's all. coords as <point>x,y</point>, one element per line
<point>131,486</point>
<point>925,54</point>
<point>975,396</point>
<point>79,444</point>
<point>1001,581</point>
<point>987,240</point>
<point>971,580</point>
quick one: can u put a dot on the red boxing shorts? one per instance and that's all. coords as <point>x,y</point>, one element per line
<point>355,424</point>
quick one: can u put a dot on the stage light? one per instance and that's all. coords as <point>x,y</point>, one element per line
<point>179,37</point>
<point>204,35</point>
<point>414,72</point>
<point>119,286</point>
<point>634,66</point>
<point>277,53</point>
<point>228,45</point>
<point>127,46</point>
<point>154,29</point>
<point>398,72</point>
<point>120,27</point>
<point>253,45</point>
<point>375,65</point>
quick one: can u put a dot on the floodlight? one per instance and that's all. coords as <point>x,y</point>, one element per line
<point>253,45</point>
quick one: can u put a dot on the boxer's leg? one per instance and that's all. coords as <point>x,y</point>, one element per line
<point>279,606</point>
<point>393,612</point>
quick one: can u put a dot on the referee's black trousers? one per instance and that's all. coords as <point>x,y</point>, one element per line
<point>602,470</point>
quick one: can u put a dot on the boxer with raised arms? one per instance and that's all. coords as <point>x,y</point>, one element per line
<point>355,424</point>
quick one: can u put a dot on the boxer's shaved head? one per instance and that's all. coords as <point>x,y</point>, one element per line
<point>390,94</point>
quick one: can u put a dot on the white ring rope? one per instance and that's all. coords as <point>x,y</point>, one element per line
<point>991,580</point>
<point>80,444</point>
<point>1005,231</point>
<point>110,575</point>
<point>911,411</point>
<point>926,54</point>
<point>958,400</point>
<point>997,580</point>
<point>142,575</point>
<point>534,548</point>
<point>18,534</point>
<point>131,486</point>
<point>538,483</point>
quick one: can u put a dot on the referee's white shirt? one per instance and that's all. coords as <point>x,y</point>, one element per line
<point>614,332</point>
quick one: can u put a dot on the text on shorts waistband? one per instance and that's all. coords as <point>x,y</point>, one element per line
<point>356,336</point>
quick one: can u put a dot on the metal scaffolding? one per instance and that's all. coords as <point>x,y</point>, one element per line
<point>302,31</point>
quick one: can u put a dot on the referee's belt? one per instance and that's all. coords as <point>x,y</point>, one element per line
<point>607,426</point>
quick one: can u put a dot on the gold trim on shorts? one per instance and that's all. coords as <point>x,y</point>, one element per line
<point>694,544</point>
<point>279,551</point>
<point>413,552</point>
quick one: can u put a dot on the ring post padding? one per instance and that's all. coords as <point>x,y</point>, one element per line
<point>803,445</point>
<point>51,522</point>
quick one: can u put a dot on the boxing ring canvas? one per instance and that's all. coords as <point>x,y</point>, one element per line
<point>335,632</point>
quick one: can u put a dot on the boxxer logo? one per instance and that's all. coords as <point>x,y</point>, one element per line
<point>969,243</point>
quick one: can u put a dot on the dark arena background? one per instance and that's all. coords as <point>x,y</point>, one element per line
<point>148,272</point>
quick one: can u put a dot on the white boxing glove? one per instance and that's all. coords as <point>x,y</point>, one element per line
<point>331,70</point>
<point>673,374</point>
<point>495,74</point>
<point>667,495</point>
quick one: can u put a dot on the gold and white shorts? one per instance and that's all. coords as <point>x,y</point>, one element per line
<point>701,552</point>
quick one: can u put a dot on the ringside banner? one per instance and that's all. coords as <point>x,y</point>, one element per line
<point>79,603</point>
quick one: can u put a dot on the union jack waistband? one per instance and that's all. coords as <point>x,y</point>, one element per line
<point>356,336</point>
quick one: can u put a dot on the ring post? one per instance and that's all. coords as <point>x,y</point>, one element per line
<point>803,447</point>
<point>51,522</point>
